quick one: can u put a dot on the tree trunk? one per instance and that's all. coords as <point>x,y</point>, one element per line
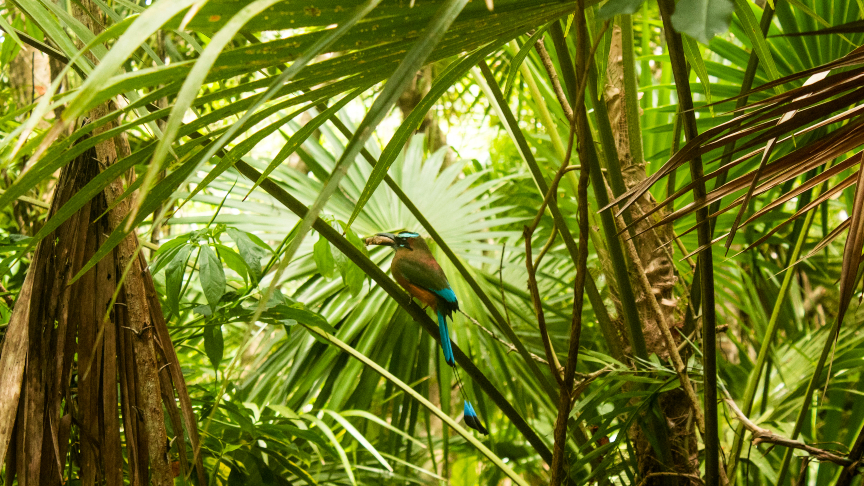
<point>655,255</point>
<point>69,348</point>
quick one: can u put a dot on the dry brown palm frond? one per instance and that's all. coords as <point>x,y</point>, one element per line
<point>816,125</point>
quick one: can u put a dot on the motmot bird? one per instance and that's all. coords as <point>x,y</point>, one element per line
<point>416,270</point>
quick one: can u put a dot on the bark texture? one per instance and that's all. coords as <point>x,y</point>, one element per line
<point>656,259</point>
<point>75,363</point>
<point>62,362</point>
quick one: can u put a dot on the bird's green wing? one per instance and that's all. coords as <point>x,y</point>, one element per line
<point>423,273</point>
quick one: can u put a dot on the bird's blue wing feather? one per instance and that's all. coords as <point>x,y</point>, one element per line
<point>446,294</point>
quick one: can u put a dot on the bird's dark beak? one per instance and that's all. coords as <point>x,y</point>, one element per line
<point>385,239</point>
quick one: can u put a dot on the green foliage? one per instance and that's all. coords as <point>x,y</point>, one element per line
<point>275,85</point>
<point>702,19</point>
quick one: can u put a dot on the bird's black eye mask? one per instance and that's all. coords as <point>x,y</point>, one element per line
<point>402,239</point>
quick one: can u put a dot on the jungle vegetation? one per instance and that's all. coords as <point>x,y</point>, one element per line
<point>651,213</point>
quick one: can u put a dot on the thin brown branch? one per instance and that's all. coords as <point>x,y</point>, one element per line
<point>761,435</point>
<point>578,124</point>
<point>546,247</point>
<point>583,82</point>
<point>588,379</point>
<point>547,62</point>
<point>528,233</point>
<point>551,358</point>
<point>553,187</point>
<point>553,77</point>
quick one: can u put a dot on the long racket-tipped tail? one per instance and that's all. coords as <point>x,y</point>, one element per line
<point>471,418</point>
<point>445,339</point>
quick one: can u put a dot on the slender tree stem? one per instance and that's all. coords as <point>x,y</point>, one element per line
<point>553,78</point>
<point>528,234</point>
<point>551,357</point>
<point>705,260</point>
<point>579,123</point>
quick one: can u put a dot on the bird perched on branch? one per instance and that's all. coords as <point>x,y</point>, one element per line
<point>416,270</point>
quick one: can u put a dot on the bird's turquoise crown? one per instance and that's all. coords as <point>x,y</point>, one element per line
<point>408,234</point>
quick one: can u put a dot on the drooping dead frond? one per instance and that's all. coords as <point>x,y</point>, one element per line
<point>815,126</point>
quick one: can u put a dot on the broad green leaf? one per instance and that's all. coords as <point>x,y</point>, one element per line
<point>702,19</point>
<point>233,260</point>
<point>619,7</point>
<point>355,240</point>
<point>324,260</point>
<point>170,245</point>
<point>174,278</point>
<point>214,344</point>
<point>212,276</point>
<point>251,252</point>
<point>352,276</point>
<point>282,312</point>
